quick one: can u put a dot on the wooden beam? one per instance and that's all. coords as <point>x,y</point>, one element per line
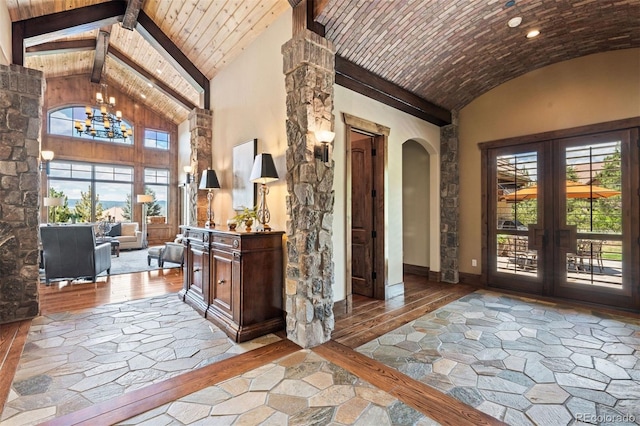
<point>41,29</point>
<point>304,19</point>
<point>360,80</point>
<point>102,44</point>
<point>130,19</point>
<point>143,73</point>
<point>154,35</point>
<point>66,46</point>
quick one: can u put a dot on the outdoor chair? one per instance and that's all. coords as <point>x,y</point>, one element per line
<point>591,250</point>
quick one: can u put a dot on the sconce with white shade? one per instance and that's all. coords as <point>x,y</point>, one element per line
<point>47,156</point>
<point>325,137</point>
<point>187,171</point>
<point>263,172</point>
<point>209,181</point>
<point>144,199</point>
<point>53,202</point>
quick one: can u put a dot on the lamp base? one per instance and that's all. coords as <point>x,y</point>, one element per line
<point>263,228</point>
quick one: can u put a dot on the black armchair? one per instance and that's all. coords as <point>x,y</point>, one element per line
<point>70,252</point>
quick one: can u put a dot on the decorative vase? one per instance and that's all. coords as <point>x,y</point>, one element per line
<point>232,224</point>
<point>247,224</point>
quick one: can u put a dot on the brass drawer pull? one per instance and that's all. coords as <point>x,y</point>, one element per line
<point>220,282</point>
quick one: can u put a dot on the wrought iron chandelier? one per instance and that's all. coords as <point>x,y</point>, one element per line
<point>101,122</point>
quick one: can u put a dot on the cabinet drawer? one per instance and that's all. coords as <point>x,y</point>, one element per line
<point>227,241</point>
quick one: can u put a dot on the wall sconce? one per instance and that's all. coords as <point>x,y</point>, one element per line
<point>187,171</point>
<point>263,172</point>
<point>325,137</point>
<point>47,156</point>
<point>209,182</point>
<point>144,199</point>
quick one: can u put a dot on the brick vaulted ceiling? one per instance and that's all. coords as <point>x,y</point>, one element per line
<point>447,51</point>
<point>452,51</point>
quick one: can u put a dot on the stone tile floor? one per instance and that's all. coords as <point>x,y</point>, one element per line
<point>300,389</point>
<point>523,361</point>
<point>73,360</point>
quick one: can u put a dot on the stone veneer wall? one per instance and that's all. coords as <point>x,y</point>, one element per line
<point>449,204</point>
<point>21,98</point>
<point>200,126</point>
<point>309,66</point>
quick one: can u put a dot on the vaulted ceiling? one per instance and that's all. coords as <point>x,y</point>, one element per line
<point>446,51</point>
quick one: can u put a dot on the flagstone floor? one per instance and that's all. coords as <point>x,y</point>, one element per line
<point>73,360</point>
<point>523,361</point>
<point>300,389</point>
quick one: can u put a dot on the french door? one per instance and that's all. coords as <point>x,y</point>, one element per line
<point>563,218</point>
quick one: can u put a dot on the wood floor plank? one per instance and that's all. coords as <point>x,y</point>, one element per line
<point>440,407</point>
<point>14,336</point>
<point>144,399</point>
<point>377,329</point>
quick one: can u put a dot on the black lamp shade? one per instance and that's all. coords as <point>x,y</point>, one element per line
<point>263,171</point>
<point>209,180</point>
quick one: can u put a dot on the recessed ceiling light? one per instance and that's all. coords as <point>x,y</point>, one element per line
<point>158,70</point>
<point>149,84</point>
<point>533,33</point>
<point>514,22</point>
<point>143,96</point>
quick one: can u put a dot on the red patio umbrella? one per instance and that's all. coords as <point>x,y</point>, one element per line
<point>574,190</point>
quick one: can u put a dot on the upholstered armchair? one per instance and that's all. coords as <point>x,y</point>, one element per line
<point>172,252</point>
<point>129,236</point>
<point>70,252</point>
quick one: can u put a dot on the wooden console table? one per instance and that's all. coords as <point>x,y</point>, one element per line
<point>234,279</point>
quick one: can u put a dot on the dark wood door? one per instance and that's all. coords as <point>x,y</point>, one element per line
<point>362,218</point>
<point>563,218</point>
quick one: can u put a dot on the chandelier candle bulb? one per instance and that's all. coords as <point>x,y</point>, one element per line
<point>119,114</point>
<point>99,97</point>
<point>112,101</point>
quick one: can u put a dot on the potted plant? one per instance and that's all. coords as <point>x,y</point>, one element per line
<point>74,217</point>
<point>246,216</point>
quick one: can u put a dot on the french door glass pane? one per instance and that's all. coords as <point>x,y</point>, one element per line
<point>594,205</point>
<point>516,209</point>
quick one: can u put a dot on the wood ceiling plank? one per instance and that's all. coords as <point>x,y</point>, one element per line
<point>140,71</point>
<point>247,31</point>
<point>194,39</point>
<point>171,52</point>
<point>188,9</point>
<point>231,26</point>
<point>208,40</point>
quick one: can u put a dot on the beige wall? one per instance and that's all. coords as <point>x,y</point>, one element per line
<point>592,89</point>
<point>248,101</point>
<point>5,34</point>
<point>248,98</point>
<point>415,204</point>
<point>403,128</point>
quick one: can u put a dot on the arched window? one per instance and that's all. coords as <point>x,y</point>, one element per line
<point>62,122</point>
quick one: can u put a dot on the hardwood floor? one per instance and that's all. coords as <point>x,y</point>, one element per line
<point>372,318</point>
<point>368,320</point>
<point>61,297</point>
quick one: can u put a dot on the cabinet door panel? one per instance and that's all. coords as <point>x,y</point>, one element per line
<point>221,285</point>
<point>197,272</point>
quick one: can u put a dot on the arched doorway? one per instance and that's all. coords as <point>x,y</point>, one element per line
<point>416,233</point>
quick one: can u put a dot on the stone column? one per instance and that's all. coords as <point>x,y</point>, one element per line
<point>309,66</point>
<point>449,193</point>
<point>201,128</point>
<point>21,98</point>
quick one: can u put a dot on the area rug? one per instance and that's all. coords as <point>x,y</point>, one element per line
<point>129,262</point>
